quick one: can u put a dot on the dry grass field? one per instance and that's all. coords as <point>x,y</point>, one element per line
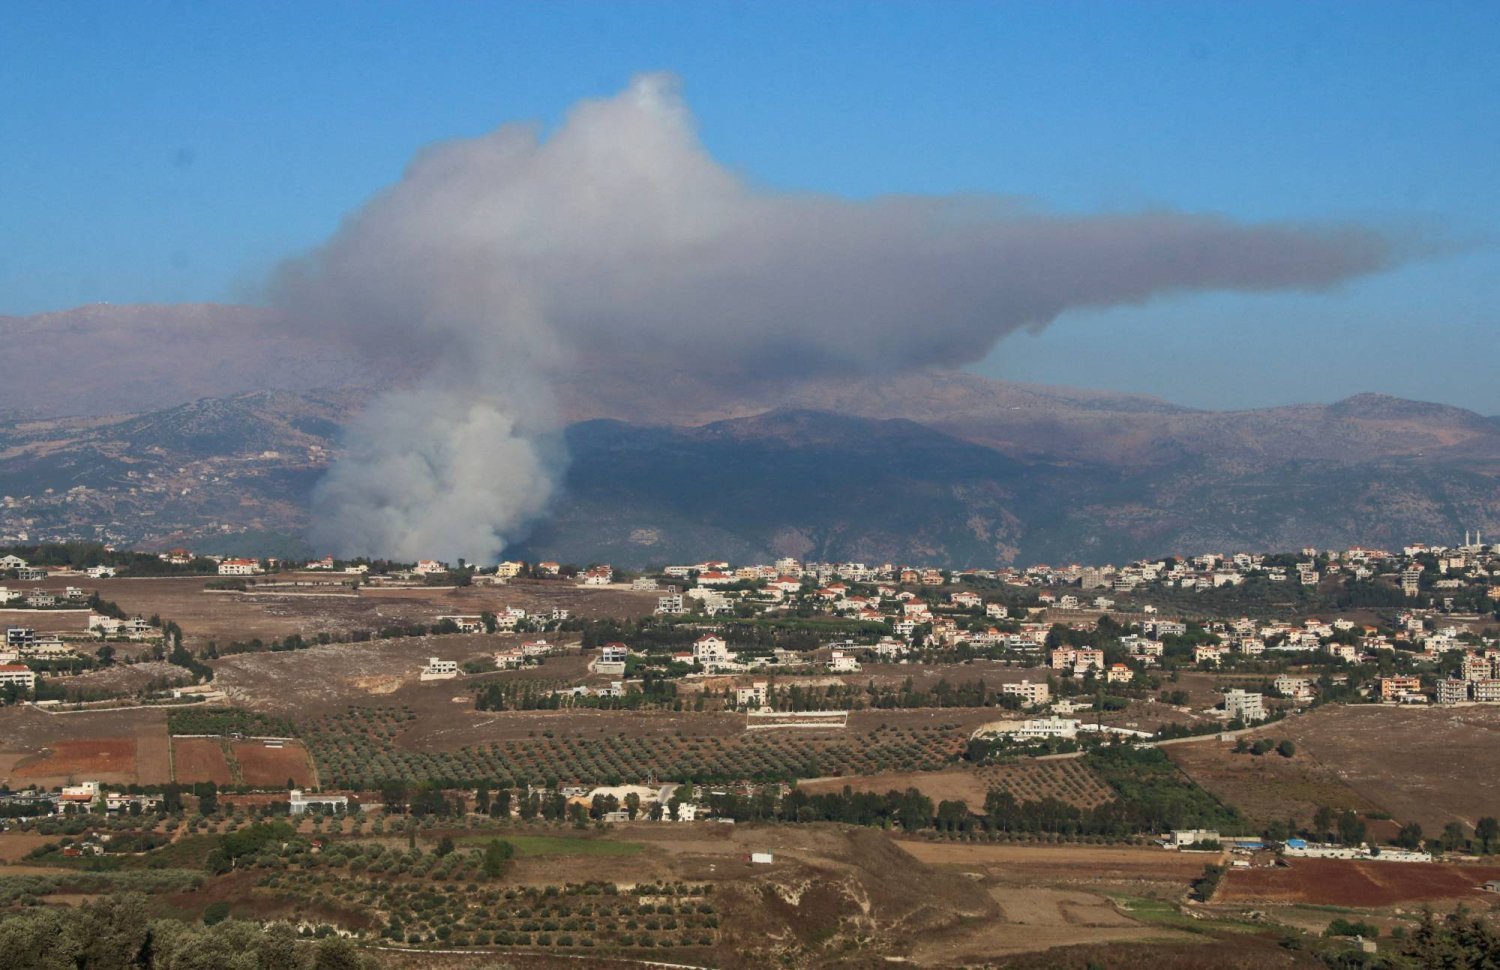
<point>124,678</point>
<point>1270,786</point>
<point>227,616</point>
<point>1128,869</point>
<point>47,621</point>
<point>320,679</point>
<point>939,786</point>
<point>1430,766</point>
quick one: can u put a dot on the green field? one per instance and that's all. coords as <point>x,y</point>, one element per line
<point>545,845</point>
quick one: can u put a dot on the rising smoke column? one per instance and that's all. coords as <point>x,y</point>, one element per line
<point>501,263</point>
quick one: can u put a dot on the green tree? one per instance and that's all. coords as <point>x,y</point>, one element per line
<point>1487,830</point>
<point>1409,836</point>
<point>1351,829</point>
<point>1322,822</point>
<point>497,855</point>
<point>1286,749</point>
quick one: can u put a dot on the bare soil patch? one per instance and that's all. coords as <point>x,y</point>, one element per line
<point>270,767</point>
<point>91,759</point>
<point>939,786</point>
<point>200,759</point>
<point>15,845</point>
<point>322,679</point>
<point>1126,867</point>
<point>1345,882</point>
<point>274,614</point>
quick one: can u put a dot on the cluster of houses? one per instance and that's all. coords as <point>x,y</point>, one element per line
<point>87,796</point>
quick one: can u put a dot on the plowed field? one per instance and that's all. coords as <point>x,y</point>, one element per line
<point>263,767</point>
<point>1344,882</point>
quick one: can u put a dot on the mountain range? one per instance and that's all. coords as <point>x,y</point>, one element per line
<point>208,426</point>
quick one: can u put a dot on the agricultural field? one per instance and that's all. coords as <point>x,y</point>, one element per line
<point>358,749</point>
<point>1447,760</point>
<point>1038,918</point>
<point>584,916</point>
<point>1068,780</point>
<point>201,759</point>
<point>272,765</point>
<point>118,747</point>
<point>1352,883</point>
<point>47,621</point>
<point>1268,787</point>
<point>960,785</point>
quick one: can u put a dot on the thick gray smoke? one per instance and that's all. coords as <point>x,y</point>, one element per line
<point>500,263</point>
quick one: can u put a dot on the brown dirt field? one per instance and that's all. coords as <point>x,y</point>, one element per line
<point>324,679</point>
<point>46,621</point>
<point>201,759</point>
<point>263,767</point>
<point>1345,882</point>
<point>965,719</point>
<point>1071,865</point>
<point>1149,716</point>
<point>228,616</point>
<point>27,736</point>
<point>1033,918</point>
<point>153,754</point>
<point>1447,760</point>
<point>94,759</point>
<point>1268,787</point>
<point>15,845</point>
<point>936,785</point>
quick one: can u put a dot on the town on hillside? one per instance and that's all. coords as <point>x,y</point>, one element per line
<point>1246,734</point>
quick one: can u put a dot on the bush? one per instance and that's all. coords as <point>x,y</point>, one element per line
<point>215,913</point>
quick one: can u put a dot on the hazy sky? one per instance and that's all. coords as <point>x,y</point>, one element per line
<point>175,152</point>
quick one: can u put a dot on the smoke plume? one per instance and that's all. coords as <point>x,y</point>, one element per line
<point>500,263</point>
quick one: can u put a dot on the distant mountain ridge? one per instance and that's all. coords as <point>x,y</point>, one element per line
<point>928,466</point>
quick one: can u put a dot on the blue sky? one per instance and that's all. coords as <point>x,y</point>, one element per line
<point>156,152</point>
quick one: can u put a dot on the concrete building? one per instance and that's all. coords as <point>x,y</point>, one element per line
<point>301,802</point>
<point>1241,705</point>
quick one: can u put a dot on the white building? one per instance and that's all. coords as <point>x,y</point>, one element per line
<point>239,567</point>
<point>1033,729</point>
<point>18,674</point>
<point>1032,694</point>
<point>843,663</point>
<point>300,802</point>
<point>752,696</point>
<point>439,669</point>
<point>612,657</point>
<point>1241,705</point>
